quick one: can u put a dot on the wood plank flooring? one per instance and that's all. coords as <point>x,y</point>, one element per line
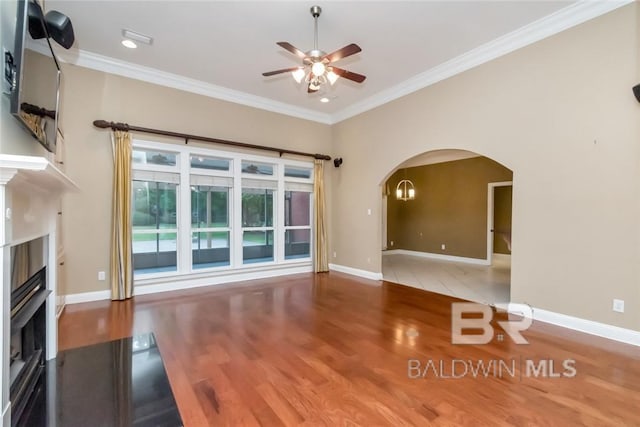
<point>331,349</point>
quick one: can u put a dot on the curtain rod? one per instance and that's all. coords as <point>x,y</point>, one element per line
<point>103,124</point>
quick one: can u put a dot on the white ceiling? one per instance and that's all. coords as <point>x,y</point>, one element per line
<point>229,44</point>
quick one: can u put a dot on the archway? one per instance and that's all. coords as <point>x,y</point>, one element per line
<point>454,237</point>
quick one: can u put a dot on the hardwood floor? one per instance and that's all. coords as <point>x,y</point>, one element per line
<point>331,349</point>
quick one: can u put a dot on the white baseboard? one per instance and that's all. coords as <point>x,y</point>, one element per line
<point>603,330</point>
<point>176,284</point>
<point>6,415</point>
<point>501,257</point>
<point>60,310</point>
<point>440,257</point>
<point>356,272</point>
<point>87,297</point>
<point>166,284</point>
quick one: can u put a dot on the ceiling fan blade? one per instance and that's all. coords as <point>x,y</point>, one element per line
<point>309,90</point>
<point>343,53</point>
<point>358,78</point>
<point>284,70</point>
<point>291,48</point>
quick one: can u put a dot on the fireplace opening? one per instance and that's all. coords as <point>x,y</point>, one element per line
<point>28,330</point>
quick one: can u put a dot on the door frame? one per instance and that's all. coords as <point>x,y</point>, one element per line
<point>490,220</point>
<point>384,221</point>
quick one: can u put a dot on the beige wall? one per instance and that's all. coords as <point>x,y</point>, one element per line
<point>561,115</point>
<point>90,95</point>
<point>450,207</point>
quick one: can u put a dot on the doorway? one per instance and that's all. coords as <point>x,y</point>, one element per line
<point>439,241</point>
<point>499,214</point>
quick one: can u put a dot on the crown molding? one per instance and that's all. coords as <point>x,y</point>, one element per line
<point>565,18</point>
<point>568,17</point>
<point>111,65</point>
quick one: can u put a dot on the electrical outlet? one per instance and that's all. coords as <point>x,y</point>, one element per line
<point>368,260</point>
<point>368,211</point>
<point>391,242</point>
<point>102,275</point>
<point>443,247</point>
<point>618,305</point>
<point>335,255</point>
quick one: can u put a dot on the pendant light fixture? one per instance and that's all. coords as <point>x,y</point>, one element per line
<point>405,190</point>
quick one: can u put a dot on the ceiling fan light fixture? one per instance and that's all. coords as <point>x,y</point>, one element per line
<point>332,77</point>
<point>318,68</point>
<point>298,75</point>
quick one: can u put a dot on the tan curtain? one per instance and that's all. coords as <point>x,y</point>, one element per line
<point>321,252</point>
<point>121,257</point>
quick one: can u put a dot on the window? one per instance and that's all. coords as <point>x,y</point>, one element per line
<point>199,211</point>
<point>155,226</point>
<point>257,223</point>
<point>297,224</point>
<point>257,168</point>
<point>209,163</point>
<point>297,172</point>
<point>153,157</point>
<point>210,231</point>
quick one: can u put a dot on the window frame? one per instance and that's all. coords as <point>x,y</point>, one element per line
<point>185,229</point>
<point>299,227</point>
<point>174,170</point>
<point>265,228</point>
<point>228,229</point>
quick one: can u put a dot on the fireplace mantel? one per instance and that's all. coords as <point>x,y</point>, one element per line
<point>35,173</point>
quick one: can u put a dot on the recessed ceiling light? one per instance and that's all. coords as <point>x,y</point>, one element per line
<point>129,43</point>
<point>324,100</point>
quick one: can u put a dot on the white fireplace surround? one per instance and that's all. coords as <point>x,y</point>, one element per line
<point>30,192</point>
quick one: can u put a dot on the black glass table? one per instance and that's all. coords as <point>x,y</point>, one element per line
<point>117,383</point>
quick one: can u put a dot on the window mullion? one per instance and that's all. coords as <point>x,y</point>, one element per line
<point>279,222</point>
<point>184,217</point>
<point>236,215</point>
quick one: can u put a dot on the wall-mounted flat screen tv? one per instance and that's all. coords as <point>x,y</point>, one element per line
<point>31,71</point>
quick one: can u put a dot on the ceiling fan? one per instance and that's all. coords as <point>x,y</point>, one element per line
<point>318,66</point>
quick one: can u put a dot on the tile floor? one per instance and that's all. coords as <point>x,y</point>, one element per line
<point>477,283</point>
